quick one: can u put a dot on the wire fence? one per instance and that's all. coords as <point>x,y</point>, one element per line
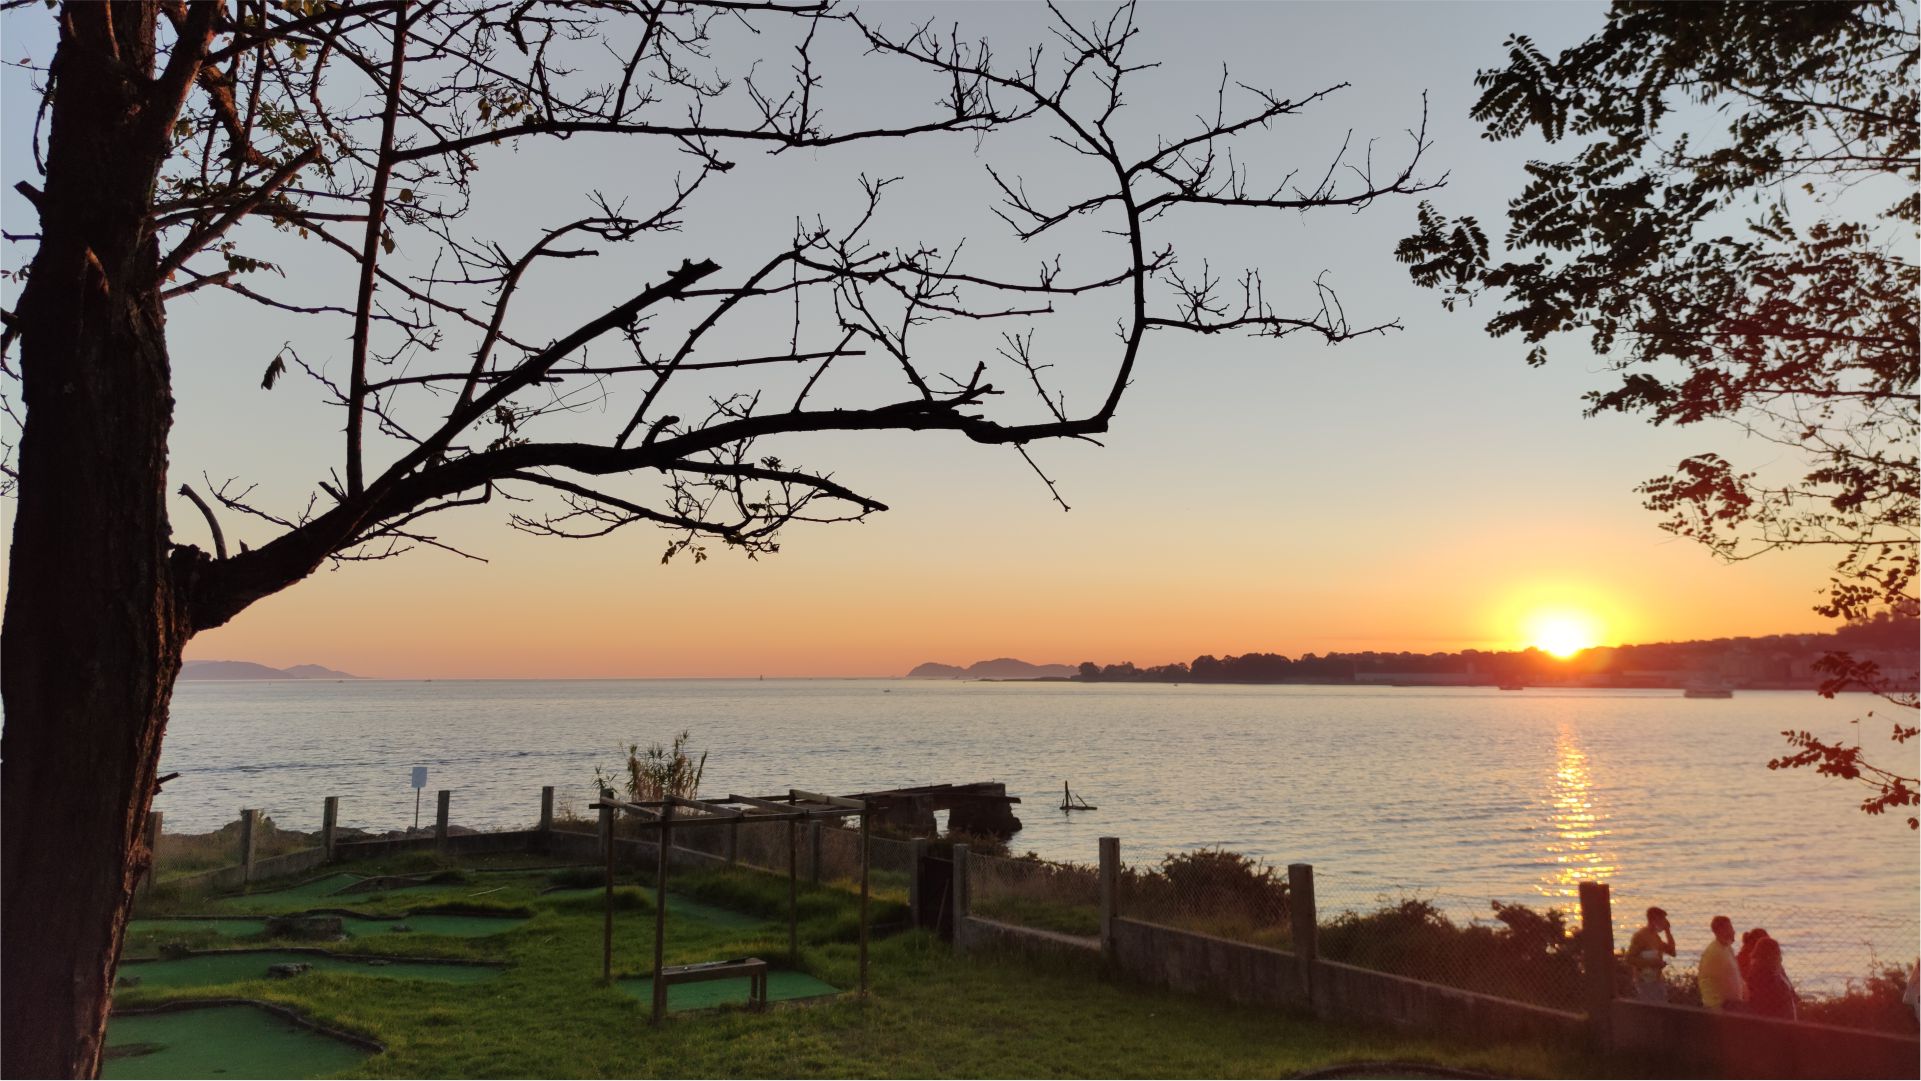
<point>1063,897</point>
<point>1476,943</point>
<point>1214,892</point>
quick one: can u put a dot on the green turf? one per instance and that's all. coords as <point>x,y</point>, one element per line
<point>223,927</point>
<point>426,923</point>
<point>782,985</point>
<point>678,907</point>
<point>222,1041</point>
<point>211,969</point>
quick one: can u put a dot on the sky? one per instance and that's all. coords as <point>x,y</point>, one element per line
<point>1421,490</point>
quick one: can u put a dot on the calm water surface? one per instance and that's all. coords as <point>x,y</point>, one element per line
<point>1462,793</point>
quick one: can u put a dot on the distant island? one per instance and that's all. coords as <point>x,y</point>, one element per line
<point>250,670</point>
<point>1772,662</point>
<point>999,668</point>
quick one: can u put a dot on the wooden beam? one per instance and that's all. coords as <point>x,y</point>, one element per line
<point>831,801</point>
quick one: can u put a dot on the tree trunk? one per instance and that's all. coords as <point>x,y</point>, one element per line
<point>93,630</point>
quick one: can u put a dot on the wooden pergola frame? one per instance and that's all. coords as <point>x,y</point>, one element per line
<point>797,806</point>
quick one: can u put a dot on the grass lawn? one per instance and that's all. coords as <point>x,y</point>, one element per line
<point>931,1013</point>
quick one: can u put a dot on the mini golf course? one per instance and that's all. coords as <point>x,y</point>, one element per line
<point>233,966</point>
<point>233,1040</point>
<point>455,925</point>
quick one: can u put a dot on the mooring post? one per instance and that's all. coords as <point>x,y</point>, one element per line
<point>1597,962</point>
<point>1110,893</point>
<point>440,818</point>
<point>866,844</point>
<point>917,850</point>
<point>1305,924</point>
<point>813,843</point>
<point>248,820</point>
<point>546,809</point>
<point>607,913</point>
<point>153,850</point>
<point>793,892</point>
<point>329,826</point>
<point>660,912</point>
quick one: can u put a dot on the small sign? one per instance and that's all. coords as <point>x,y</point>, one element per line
<point>420,776</point>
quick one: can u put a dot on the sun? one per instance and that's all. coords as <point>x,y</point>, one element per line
<point>1563,634</point>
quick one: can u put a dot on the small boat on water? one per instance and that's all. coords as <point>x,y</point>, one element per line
<point>1512,687</point>
<point>1071,802</point>
<point>1707,692</point>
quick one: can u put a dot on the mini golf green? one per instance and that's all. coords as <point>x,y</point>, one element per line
<point>679,907</point>
<point>453,925</point>
<point>221,1041</point>
<point>783,985</point>
<point>233,966</point>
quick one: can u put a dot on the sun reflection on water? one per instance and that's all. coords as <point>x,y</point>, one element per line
<point>1578,828</point>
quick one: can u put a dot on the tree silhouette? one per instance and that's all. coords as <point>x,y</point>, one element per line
<point>190,147</point>
<point>1734,224</point>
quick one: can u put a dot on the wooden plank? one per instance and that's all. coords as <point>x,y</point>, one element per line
<point>831,801</point>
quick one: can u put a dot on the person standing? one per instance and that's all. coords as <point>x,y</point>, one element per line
<point>1770,992</point>
<point>1647,951</point>
<point>1721,985</point>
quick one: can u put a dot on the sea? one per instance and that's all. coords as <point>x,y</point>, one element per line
<point>1461,796</point>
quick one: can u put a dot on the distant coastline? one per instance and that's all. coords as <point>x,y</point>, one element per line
<point>1781,662</point>
<point>245,670</point>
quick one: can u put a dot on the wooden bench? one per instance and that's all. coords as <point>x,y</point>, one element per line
<point>753,968</point>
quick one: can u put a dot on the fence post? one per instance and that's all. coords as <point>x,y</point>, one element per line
<point>960,891</point>
<point>329,825</point>
<point>916,851</point>
<point>1305,925</point>
<point>1597,962</point>
<point>733,843</point>
<point>440,818</point>
<point>606,827</point>
<point>546,808</point>
<point>813,848</point>
<point>1110,893</point>
<point>153,850</point>
<point>248,818</point>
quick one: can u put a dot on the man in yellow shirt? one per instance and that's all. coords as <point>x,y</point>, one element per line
<point>1721,985</point>
<point>1646,953</point>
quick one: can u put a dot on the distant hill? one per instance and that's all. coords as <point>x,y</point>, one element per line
<point>999,668</point>
<point>250,670</point>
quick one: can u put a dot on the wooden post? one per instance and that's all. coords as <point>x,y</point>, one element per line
<point>917,851</point>
<point>1110,893</point>
<point>440,818</point>
<point>660,913</point>
<point>329,825</point>
<point>793,892</point>
<point>733,843</point>
<point>248,821</point>
<point>607,915</point>
<point>1597,962</point>
<point>546,808</point>
<point>813,841</point>
<point>866,839</point>
<point>153,850</point>
<point>960,888</point>
<point>1306,926</point>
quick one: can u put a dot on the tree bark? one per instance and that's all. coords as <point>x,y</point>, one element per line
<point>93,628</point>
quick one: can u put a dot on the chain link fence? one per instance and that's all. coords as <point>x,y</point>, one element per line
<point>1062,897</point>
<point>1214,892</point>
<point>1476,943</point>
